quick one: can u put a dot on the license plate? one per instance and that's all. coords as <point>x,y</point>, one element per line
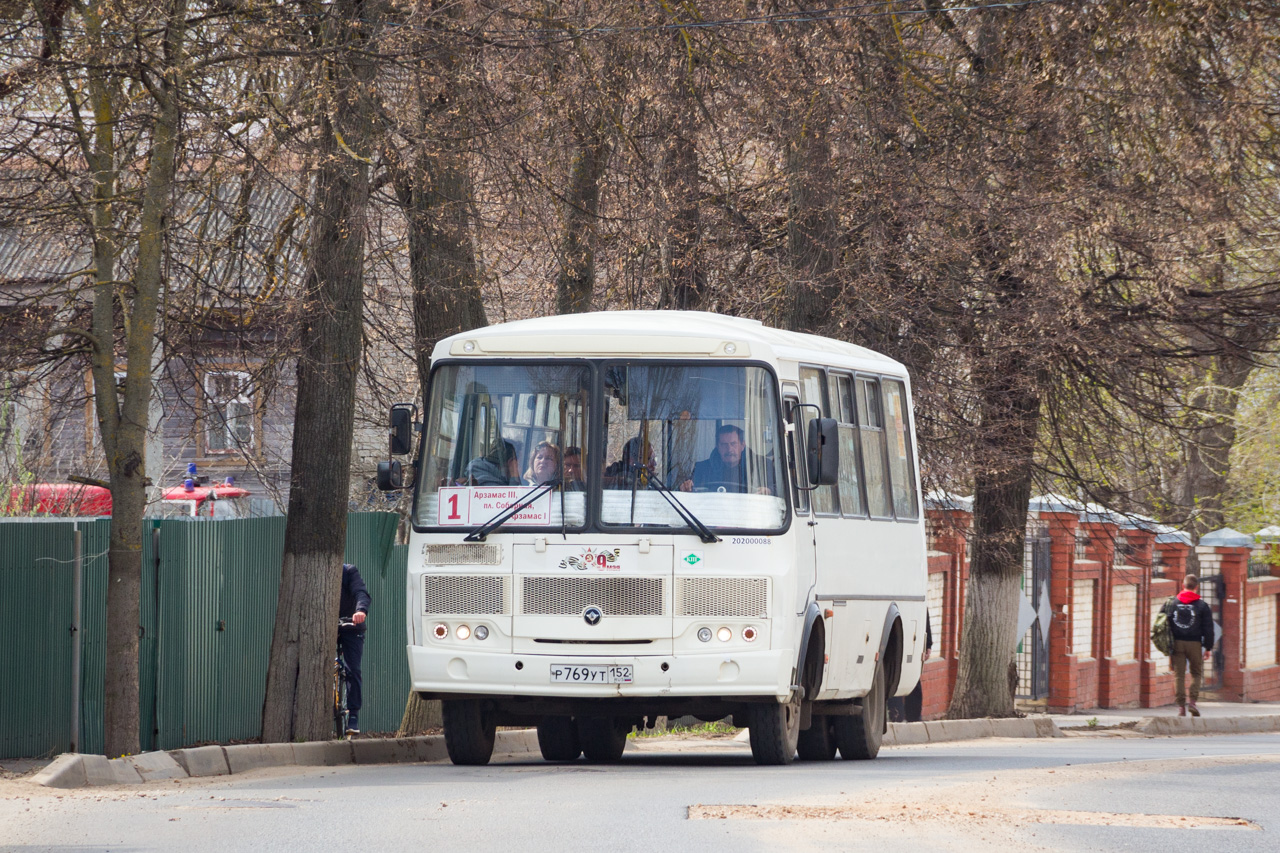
<point>592,673</point>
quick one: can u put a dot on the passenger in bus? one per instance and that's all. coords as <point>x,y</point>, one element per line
<point>544,466</point>
<point>574,479</point>
<point>726,469</point>
<point>498,468</point>
<point>629,471</point>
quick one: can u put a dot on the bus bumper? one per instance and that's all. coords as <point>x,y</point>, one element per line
<point>766,672</point>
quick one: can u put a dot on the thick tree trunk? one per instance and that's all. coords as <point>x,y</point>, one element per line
<point>1208,453</point>
<point>577,280</point>
<point>1002,488</point>
<point>683,274</point>
<point>420,716</point>
<point>812,228</point>
<point>296,706</point>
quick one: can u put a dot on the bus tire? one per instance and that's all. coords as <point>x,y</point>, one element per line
<point>468,731</point>
<point>859,737</point>
<point>603,738</point>
<point>774,730</point>
<point>818,742</point>
<point>558,739</point>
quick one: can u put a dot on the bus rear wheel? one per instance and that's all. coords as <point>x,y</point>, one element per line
<point>774,730</point>
<point>818,742</point>
<point>468,731</point>
<point>859,737</point>
<point>558,739</point>
<point>602,738</point>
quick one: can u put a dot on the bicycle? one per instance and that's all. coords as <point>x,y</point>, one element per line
<point>341,676</point>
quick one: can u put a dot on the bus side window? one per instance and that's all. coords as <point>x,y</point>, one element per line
<point>902,471</point>
<point>850,464</point>
<point>871,425</point>
<point>813,392</point>
<point>801,496</point>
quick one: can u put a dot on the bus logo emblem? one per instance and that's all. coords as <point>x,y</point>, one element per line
<point>692,558</point>
<point>592,616</point>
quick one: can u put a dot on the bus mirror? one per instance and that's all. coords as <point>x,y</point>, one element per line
<point>401,434</point>
<point>823,452</point>
<point>390,476</point>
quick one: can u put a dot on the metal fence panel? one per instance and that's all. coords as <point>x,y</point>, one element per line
<point>37,559</point>
<point>209,592</point>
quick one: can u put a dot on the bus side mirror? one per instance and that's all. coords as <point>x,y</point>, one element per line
<point>390,476</point>
<point>823,452</point>
<point>401,434</point>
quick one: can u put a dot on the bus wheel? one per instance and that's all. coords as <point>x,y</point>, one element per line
<point>558,739</point>
<point>818,742</point>
<point>602,738</point>
<point>859,737</point>
<point>468,731</point>
<point>774,731</point>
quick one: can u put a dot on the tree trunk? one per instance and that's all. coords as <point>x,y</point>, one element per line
<point>420,716</point>
<point>577,280</point>
<point>296,706</point>
<point>812,228</point>
<point>1002,489</point>
<point>123,421</point>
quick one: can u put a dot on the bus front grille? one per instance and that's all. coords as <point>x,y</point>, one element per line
<point>615,596</point>
<point>458,595</point>
<point>723,597</point>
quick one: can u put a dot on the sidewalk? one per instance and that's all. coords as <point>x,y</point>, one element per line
<point>1209,709</point>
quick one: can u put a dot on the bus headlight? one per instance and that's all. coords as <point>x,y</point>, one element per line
<point>749,634</point>
<point>724,635</point>
<point>463,632</point>
<point>482,632</point>
<point>704,634</point>
<point>440,631</point>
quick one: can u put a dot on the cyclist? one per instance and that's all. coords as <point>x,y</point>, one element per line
<point>354,606</point>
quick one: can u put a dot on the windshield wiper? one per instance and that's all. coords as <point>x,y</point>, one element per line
<point>704,533</point>
<point>479,534</point>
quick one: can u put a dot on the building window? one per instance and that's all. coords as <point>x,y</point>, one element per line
<point>228,417</point>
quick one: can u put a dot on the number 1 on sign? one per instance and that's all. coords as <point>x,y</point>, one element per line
<point>453,507</point>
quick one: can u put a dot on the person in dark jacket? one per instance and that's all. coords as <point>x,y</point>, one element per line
<point>1191,620</point>
<point>353,606</point>
<point>730,467</point>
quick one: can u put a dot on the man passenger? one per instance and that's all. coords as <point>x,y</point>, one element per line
<point>726,469</point>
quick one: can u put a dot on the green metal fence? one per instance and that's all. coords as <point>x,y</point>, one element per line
<point>208,609</point>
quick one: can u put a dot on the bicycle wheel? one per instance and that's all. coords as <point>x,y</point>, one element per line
<point>341,714</point>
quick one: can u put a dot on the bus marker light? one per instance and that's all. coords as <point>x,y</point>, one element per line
<point>482,632</point>
<point>704,634</point>
<point>724,635</point>
<point>440,631</point>
<point>749,634</point>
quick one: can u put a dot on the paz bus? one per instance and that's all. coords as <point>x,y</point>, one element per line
<point>624,515</point>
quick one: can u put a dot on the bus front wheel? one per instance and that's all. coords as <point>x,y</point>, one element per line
<point>774,730</point>
<point>468,731</point>
<point>859,737</point>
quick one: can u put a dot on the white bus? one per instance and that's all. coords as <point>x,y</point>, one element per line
<point>626,515</point>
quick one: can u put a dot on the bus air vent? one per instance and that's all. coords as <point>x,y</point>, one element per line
<point>725,597</point>
<point>453,595</point>
<point>615,596</point>
<point>460,555</point>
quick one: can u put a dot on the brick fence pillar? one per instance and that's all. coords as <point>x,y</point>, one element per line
<point>1062,549</point>
<point>949,558</point>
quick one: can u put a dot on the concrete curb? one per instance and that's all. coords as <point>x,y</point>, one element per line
<point>1207,725</point>
<point>940,731</point>
<point>72,770</point>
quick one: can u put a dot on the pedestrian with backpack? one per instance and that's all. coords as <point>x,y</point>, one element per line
<point>1191,621</point>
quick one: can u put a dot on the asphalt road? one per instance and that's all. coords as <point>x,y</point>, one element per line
<point>1078,793</point>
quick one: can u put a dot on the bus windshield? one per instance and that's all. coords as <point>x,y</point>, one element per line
<point>707,434</point>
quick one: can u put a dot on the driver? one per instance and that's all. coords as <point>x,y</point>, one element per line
<point>725,470</point>
<point>498,468</point>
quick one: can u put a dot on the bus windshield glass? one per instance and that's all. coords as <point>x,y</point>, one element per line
<point>707,432</point>
<point>496,429</point>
